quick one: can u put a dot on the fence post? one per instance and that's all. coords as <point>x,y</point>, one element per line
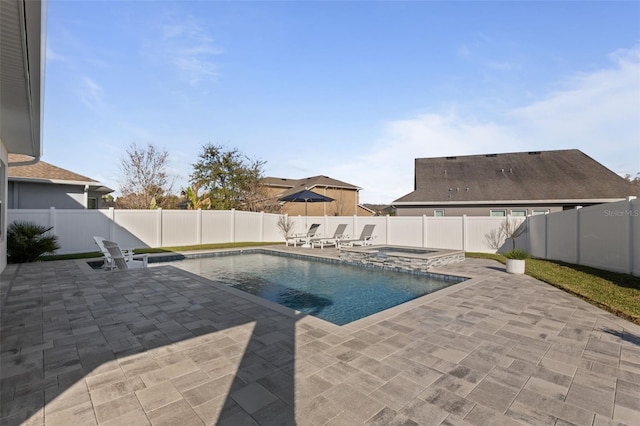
<point>387,233</point>
<point>578,209</point>
<point>631,215</point>
<point>527,233</point>
<point>52,219</point>
<point>424,231</point>
<point>199,225</point>
<point>233,225</point>
<point>326,225</point>
<point>261,226</point>
<point>355,226</point>
<point>159,228</point>
<point>546,235</point>
<point>112,224</point>
<point>464,232</point>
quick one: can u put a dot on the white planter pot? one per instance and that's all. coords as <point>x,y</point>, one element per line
<point>515,266</point>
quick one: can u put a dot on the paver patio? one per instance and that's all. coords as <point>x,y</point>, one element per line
<point>165,347</point>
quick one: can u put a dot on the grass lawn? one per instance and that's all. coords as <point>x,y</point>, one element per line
<point>612,291</point>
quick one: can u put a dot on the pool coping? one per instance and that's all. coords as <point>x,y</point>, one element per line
<point>345,329</point>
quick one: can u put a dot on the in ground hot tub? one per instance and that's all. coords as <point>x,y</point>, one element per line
<point>400,258</point>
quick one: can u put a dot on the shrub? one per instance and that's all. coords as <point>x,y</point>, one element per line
<point>517,254</point>
<point>27,242</point>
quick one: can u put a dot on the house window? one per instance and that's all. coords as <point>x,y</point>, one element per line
<point>92,203</point>
<point>497,213</point>
<point>438,213</point>
<point>537,212</point>
<point>518,213</point>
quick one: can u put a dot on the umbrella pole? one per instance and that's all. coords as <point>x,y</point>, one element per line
<point>307,243</point>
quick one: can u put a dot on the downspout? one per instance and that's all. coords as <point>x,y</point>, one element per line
<point>27,76</point>
<point>86,197</point>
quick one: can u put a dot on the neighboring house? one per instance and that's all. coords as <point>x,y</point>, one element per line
<point>43,185</point>
<point>518,184</point>
<point>346,196</point>
<point>22,73</point>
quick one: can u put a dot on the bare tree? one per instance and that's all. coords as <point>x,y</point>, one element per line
<point>494,238</point>
<point>144,177</point>
<point>285,225</point>
<point>509,229</point>
<point>635,180</point>
<point>258,199</point>
<point>512,230</point>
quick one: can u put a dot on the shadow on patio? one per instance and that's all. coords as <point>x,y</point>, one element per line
<point>158,345</point>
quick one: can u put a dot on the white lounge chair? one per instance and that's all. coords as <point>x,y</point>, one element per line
<point>121,261</point>
<point>303,238</point>
<point>330,241</point>
<point>108,262</point>
<point>365,239</point>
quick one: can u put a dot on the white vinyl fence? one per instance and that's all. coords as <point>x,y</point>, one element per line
<point>605,236</point>
<point>166,228</point>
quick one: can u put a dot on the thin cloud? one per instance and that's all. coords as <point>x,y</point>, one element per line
<point>90,93</point>
<point>504,66</point>
<point>189,48</point>
<point>596,112</point>
<point>464,51</point>
<point>52,55</point>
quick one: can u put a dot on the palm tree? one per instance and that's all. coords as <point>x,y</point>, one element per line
<point>195,201</point>
<point>27,242</point>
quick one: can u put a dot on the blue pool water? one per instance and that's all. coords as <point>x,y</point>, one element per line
<point>334,292</point>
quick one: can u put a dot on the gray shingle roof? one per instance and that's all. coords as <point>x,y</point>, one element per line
<point>43,171</point>
<point>291,186</point>
<point>541,175</point>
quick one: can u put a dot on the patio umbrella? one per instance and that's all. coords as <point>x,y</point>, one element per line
<point>306,196</point>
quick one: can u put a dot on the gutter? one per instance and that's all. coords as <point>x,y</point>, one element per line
<point>34,160</point>
<point>506,202</point>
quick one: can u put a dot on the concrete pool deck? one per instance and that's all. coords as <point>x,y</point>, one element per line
<point>164,347</point>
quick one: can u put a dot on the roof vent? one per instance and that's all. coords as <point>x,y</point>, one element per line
<point>534,152</point>
<point>491,155</point>
<point>452,158</point>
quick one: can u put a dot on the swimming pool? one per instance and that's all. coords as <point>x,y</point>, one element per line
<point>334,292</point>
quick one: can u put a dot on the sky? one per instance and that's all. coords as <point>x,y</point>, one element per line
<point>353,90</point>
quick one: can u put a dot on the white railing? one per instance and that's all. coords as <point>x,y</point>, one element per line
<point>606,236</point>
